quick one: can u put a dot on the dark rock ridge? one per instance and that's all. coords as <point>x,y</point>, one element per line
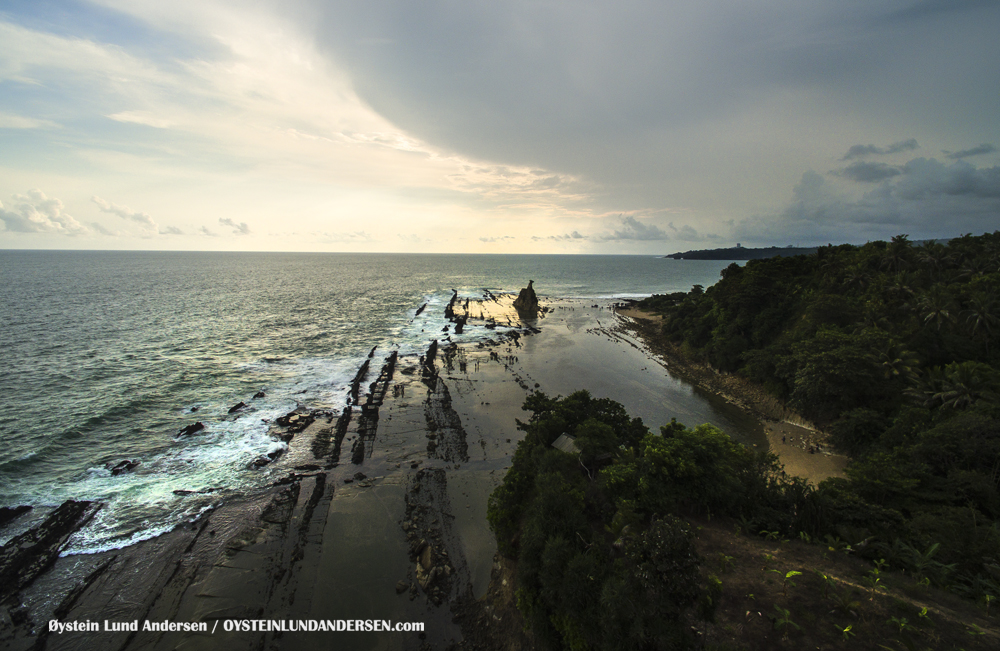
<point>526,302</point>
<point>427,361</point>
<point>25,557</point>
<point>358,377</point>
<point>446,437</point>
<point>449,311</point>
<point>11,513</point>
<point>368,421</point>
<point>440,568</point>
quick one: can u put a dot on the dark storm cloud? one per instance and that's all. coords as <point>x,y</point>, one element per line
<point>867,172</point>
<point>686,233</point>
<point>858,151</point>
<point>633,229</point>
<point>603,90</point>
<point>926,199</point>
<point>934,8</point>
<point>984,148</point>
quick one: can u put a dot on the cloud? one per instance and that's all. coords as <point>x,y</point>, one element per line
<point>926,199</point>
<point>633,229</point>
<point>413,238</point>
<point>204,231</point>
<point>37,213</point>
<point>984,148</point>
<point>126,213</point>
<point>687,233</point>
<point>142,117</point>
<point>868,172</point>
<point>501,238</point>
<point>857,151</point>
<point>238,229</point>
<point>355,237</point>
<point>12,121</point>
<point>171,230</point>
<point>105,231</point>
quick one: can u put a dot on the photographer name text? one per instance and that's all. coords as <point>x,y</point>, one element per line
<point>237,625</point>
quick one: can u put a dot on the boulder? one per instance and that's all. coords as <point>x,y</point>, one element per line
<point>235,408</point>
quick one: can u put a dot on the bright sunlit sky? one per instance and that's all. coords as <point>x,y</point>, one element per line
<point>527,126</point>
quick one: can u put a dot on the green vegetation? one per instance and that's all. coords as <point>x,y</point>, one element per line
<point>892,349</point>
<point>602,561</point>
<point>889,347</point>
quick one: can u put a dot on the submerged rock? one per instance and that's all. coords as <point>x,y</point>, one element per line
<point>235,408</point>
<point>122,466</point>
<point>191,429</point>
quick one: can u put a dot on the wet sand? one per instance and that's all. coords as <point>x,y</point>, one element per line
<point>380,509</point>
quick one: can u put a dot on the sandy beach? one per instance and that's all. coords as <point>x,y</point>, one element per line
<point>380,513</point>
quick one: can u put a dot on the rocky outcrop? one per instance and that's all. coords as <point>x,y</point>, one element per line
<point>440,568</point>
<point>26,556</point>
<point>526,302</point>
<point>368,420</point>
<point>11,513</point>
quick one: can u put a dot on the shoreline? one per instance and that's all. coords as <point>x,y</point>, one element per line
<point>379,508</point>
<point>802,449</point>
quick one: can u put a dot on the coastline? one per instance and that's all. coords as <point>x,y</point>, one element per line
<point>802,449</point>
<point>380,508</point>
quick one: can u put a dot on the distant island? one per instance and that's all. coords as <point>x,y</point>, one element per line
<point>739,252</point>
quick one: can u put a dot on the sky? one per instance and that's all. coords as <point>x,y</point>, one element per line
<point>534,126</point>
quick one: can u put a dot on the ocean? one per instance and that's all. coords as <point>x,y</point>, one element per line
<point>105,356</point>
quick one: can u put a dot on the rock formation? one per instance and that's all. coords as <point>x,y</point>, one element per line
<point>526,302</point>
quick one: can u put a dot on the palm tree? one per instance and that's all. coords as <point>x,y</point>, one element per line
<point>958,386</point>
<point>898,254</point>
<point>936,306</point>
<point>982,317</point>
<point>856,276</point>
<point>899,362</point>
<point>935,256</point>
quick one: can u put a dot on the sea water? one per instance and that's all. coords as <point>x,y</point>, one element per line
<point>105,356</point>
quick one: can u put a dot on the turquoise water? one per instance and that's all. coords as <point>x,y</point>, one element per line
<point>106,354</point>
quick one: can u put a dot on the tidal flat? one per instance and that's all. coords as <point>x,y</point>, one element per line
<point>380,511</point>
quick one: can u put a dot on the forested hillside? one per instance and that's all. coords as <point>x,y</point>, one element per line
<point>891,348</point>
